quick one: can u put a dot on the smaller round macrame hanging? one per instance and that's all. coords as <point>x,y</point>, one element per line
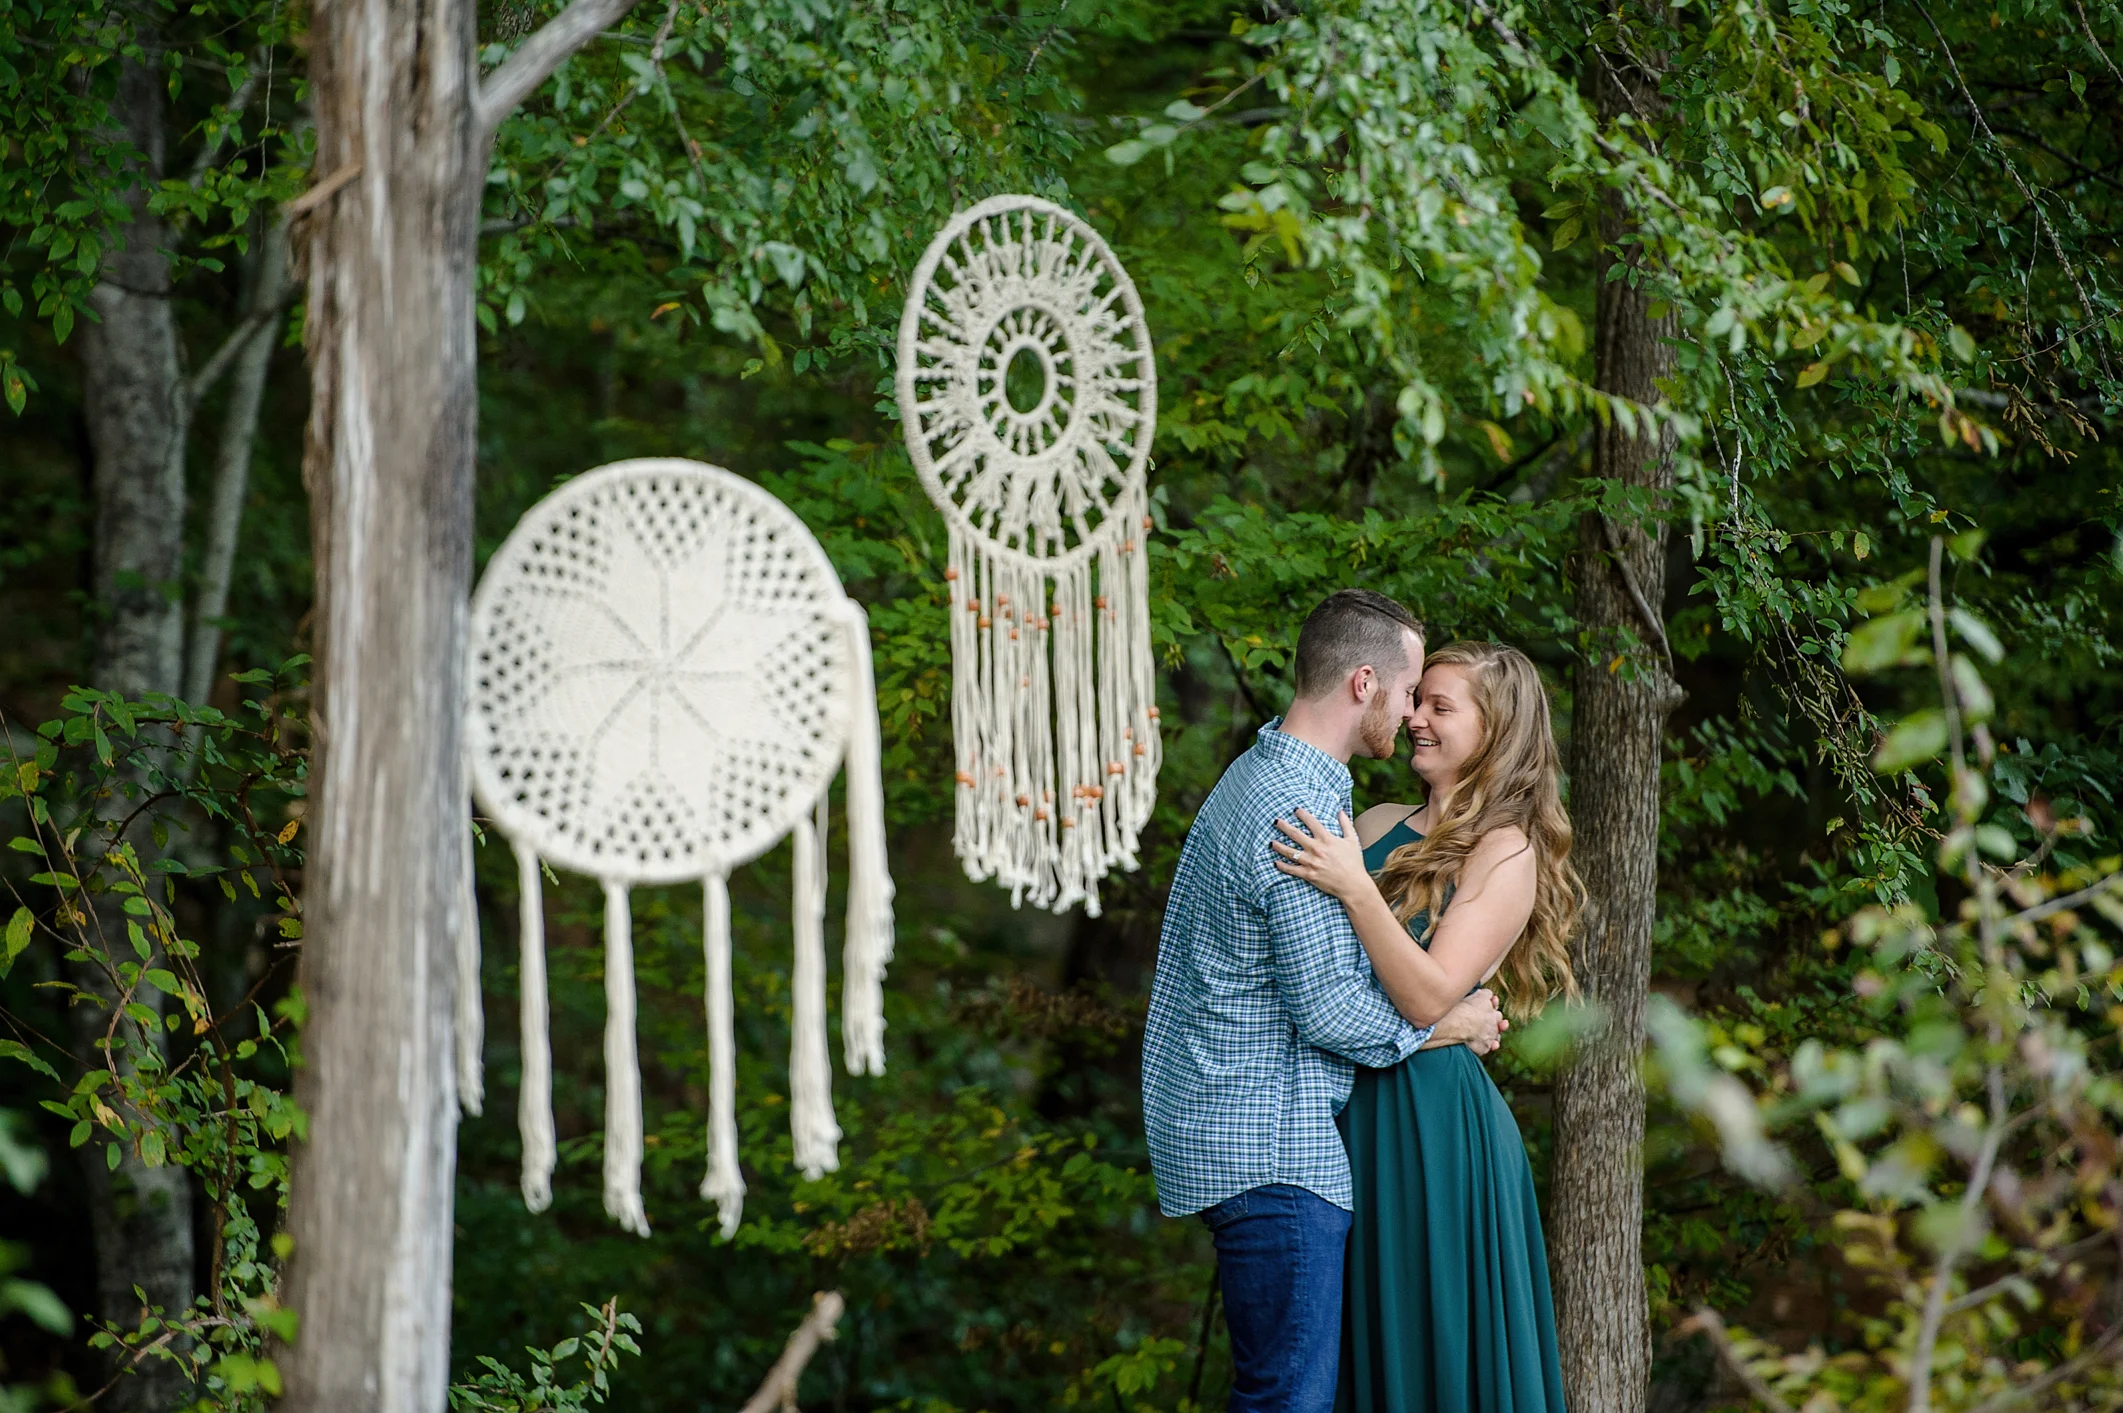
<point>665,676</point>
<point>1028,395</point>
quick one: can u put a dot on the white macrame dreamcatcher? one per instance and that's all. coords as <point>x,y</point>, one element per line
<point>665,676</point>
<point>1054,695</point>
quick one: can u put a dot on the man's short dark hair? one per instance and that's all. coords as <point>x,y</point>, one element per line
<point>1351,628</point>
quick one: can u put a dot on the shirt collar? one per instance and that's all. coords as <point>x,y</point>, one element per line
<point>1303,755</point>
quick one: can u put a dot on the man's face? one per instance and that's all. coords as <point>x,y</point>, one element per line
<point>1392,703</point>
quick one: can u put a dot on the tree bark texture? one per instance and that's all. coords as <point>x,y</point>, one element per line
<point>1595,1231</point>
<point>388,464</point>
<point>136,406</point>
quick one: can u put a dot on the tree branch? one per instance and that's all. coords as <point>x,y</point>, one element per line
<point>2086,28</point>
<point>202,382</point>
<point>2112,883</point>
<point>2100,1351</point>
<point>2012,169</point>
<point>1707,1323</point>
<point>685,139</point>
<point>1636,594</point>
<point>534,63</point>
<point>778,1390</point>
<point>323,191</point>
<point>238,102</point>
<point>2052,1259</point>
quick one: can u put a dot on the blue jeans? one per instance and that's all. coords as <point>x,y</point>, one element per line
<point>1279,1257</point>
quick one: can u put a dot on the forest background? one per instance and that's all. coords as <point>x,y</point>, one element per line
<point>1866,255</point>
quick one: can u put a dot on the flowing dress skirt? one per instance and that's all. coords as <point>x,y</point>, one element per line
<point>1447,1307</point>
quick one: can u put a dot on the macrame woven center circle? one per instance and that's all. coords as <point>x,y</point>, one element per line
<point>1036,478</point>
<point>660,674</point>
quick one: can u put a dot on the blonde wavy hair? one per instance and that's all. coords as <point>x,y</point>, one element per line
<point>1513,777</point>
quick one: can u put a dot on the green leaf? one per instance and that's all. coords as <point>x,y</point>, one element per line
<point>1127,154</point>
<point>1566,233</point>
<point>1974,632</point>
<point>1883,642</point>
<point>1977,704</point>
<point>1919,737</point>
<point>1812,373</point>
<point>152,1150</point>
<point>36,1302</point>
<point>1996,842</point>
<point>1962,343</point>
<point>16,1050</point>
<point>18,935</point>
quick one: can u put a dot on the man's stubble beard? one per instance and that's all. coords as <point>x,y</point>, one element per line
<point>1378,730</point>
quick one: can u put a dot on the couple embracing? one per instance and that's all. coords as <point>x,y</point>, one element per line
<point>1311,1086</point>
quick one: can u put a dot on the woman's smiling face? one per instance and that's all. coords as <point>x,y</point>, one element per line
<point>1446,728</point>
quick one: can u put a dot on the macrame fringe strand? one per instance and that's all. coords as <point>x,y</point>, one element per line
<point>868,948</point>
<point>622,1068</point>
<point>723,1185</point>
<point>1054,712</point>
<point>812,1127</point>
<point>534,1098</point>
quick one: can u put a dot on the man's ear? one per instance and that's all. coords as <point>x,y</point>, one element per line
<point>1362,683</point>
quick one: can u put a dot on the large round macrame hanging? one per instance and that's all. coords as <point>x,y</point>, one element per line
<point>1028,393</point>
<point>665,677</point>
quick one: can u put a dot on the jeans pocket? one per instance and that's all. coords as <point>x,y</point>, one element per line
<point>1226,1212</point>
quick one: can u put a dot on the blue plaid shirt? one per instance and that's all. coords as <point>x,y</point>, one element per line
<point>1264,1002</point>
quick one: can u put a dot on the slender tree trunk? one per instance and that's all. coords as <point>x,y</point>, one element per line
<point>388,465</point>
<point>265,288</point>
<point>136,405</point>
<point>1595,1231</point>
<point>403,128</point>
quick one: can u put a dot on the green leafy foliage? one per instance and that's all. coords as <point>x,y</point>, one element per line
<point>498,1388</point>
<point>178,1077</point>
<point>1968,1100</point>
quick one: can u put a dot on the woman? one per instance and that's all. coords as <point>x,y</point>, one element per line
<point>1447,1305</point>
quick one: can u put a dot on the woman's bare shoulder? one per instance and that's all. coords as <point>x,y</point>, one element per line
<point>1372,824</point>
<point>1498,848</point>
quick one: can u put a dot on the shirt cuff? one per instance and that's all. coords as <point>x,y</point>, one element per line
<point>1412,1039</point>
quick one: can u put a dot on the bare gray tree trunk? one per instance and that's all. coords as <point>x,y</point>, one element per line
<point>389,467</point>
<point>265,289</point>
<point>1595,1229</point>
<point>403,127</point>
<point>136,405</point>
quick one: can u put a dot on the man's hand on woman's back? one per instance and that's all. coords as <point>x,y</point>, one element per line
<point>1476,1023</point>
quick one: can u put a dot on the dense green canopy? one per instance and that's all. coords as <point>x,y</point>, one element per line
<point>1364,233</point>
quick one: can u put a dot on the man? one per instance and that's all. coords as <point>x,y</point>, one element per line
<point>1264,1003</point>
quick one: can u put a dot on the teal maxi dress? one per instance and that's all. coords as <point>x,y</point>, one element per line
<point>1447,1307</point>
